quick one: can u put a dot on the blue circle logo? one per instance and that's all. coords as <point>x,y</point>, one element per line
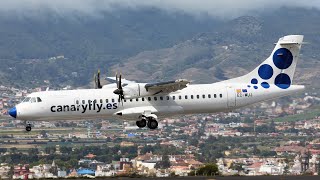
<point>283,81</point>
<point>265,71</point>
<point>282,58</point>
<point>265,85</point>
<point>254,81</point>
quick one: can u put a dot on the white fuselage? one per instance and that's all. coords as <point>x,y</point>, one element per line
<point>103,103</point>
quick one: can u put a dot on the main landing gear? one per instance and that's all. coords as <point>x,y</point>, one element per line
<point>152,122</point>
<point>28,126</point>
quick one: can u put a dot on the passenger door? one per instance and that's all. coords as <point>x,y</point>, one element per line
<point>231,96</point>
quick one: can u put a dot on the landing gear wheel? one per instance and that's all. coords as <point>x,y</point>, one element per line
<point>142,123</point>
<point>152,124</point>
<point>28,125</point>
<point>28,128</point>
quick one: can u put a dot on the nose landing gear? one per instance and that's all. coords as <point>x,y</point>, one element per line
<point>28,126</point>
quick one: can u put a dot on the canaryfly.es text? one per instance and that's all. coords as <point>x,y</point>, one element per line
<point>84,107</point>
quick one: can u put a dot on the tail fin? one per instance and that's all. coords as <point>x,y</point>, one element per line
<point>278,68</point>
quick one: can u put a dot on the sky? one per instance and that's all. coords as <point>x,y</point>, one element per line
<point>216,8</point>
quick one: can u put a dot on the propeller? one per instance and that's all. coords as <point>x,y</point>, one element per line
<point>97,84</point>
<point>119,89</point>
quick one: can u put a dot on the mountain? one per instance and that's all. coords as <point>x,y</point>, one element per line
<point>87,43</point>
<point>150,45</point>
<point>235,48</point>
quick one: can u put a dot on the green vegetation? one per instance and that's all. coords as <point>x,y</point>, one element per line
<point>207,170</point>
<point>298,117</point>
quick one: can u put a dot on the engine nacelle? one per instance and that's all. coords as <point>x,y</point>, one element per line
<point>136,90</point>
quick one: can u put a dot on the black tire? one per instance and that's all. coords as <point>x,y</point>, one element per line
<point>28,128</point>
<point>142,123</point>
<point>152,124</point>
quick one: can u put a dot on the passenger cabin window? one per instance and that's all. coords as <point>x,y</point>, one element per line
<point>39,99</point>
<point>83,101</point>
<point>149,98</point>
<point>161,98</point>
<point>220,95</point>
<point>130,100</point>
<point>27,99</point>
<point>209,95</point>
<point>215,96</point>
<point>179,97</point>
<point>107,100</point>
<point>186,96</point>
<point>137,99</point>
<point>203,96</point>
<point>112,100</point>
<point>168,97</point>
<point>173,98</point>
<point>125,100</point>
<point>77,101</point>
<point>155,98</point>
<point>198,96</point>
<point>142,99</point>
<point>33,100</point>
<point>101,101</point>
<point>191,96</point>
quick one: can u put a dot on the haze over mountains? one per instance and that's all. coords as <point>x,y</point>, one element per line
<point>149,44</point>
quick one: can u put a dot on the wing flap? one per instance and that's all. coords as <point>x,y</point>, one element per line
<point>167,87</point>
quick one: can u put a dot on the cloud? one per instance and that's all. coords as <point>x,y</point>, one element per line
<point>216,8</point>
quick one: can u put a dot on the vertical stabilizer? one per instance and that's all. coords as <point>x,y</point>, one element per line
<point>278,69</point>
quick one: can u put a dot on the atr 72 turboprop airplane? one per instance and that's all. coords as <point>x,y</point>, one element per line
<point>145,102</point>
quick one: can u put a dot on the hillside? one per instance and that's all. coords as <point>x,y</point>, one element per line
<point>26,43</point>
<point>234,49</point>
<point>149,45</point>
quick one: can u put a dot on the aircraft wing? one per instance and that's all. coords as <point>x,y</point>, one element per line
<point>167,87</point>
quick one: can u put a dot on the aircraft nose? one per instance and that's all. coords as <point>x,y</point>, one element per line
<point>13,112</point>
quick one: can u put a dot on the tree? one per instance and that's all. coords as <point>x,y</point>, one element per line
<point>286,170</point>
<point>43,134</point>
<point>13,150</point>
<point>208,170</point>
<point>33,151</point>
<point>65,149</point>
<point>193,142</point>
<point>237,166</point>
<point>50,150</point>
<point>164,163</point>
<point>255,150</point>
<point>11,172</point>
<point>3,150</point>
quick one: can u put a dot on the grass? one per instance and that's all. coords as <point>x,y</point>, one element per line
<point>298,117</point>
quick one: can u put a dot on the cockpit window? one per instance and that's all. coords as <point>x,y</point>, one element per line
<point>27,99</point>
<point>39,99</point>
<point>33,100</point>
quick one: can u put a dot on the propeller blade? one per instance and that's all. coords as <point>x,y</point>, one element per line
<point>117,80</point>
<point>120,85</point>
<point>95,81</point>
<point>98,80</point>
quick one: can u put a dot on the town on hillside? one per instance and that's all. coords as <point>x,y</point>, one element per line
<point>278,137</point>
